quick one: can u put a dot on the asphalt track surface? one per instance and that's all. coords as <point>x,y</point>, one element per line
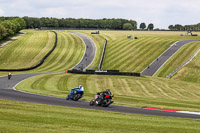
<point>163,58</point>
<point>90,51</point>
<point>8,92</point>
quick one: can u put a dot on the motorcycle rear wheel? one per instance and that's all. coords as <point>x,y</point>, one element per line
<point>106,102</point>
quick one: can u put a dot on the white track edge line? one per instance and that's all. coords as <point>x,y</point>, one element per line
<point>14,88</point>
<point>188,112</point>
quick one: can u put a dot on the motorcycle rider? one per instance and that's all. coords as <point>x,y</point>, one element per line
<point>102,94</point>
<point>9,75</point>
<point>79,89</point>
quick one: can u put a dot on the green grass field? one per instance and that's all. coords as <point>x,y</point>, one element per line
<point>129,91</point>
<point>26,50</point>
<point>179,58</point>
<point>67,54</point>
<point>131,55</point>
<point>134,55</point>
<point>190,72</point>
<point>18,117</point>
<point>32,47</point>
<point>122,54</point>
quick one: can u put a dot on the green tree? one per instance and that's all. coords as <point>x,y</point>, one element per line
<point>21,22</point>
<point>178,27</point>
<point>3,32</point>
<point>150,26</point>
<point>142,26</point>
<point>171,27</point>
<point>127,26</point>
<point>9,27</point>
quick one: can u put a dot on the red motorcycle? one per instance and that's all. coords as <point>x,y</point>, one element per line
<point>102,99</point>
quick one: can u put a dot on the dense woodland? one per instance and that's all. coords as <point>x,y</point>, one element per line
<point>10,26</point>
<point>116,24</point>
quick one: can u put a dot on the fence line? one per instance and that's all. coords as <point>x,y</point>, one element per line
<point>103,55</point>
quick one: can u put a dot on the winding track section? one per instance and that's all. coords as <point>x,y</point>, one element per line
<point>90,51</point>
<point>8,92</point>
<point>163,58</point>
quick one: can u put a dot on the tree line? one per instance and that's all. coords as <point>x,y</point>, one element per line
<point>178,27</point>
<point>116,24</point>
<point>10,25</point>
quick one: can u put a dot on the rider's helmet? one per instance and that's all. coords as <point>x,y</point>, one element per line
<point>81,88</point>
<point>107,90</point>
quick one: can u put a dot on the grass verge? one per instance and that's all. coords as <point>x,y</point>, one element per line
<point>18,117</point>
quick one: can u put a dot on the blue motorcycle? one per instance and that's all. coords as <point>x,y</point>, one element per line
<point>75,94</point>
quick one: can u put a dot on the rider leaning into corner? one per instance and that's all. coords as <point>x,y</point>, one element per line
<point>79,89</point>
<point>102,94</point>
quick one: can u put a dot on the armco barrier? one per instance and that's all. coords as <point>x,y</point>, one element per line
<point>102,56</point>
<point>104,72</point>
<point>40,63</point>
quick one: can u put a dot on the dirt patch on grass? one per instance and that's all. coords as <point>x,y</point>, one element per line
<point>13,38</point>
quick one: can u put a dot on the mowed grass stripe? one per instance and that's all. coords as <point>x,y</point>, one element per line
<point>178,59</point>
<point>22,51</point>
<point>18,116</point>
<point>68,53</point>
<point>64,61</point>
<point>190,72</point>
<point>130,91</point>
<point>130,54</point>
<point>147,56</point>
<point>127,55</point>
<point>113,52</point>
<point>53,60</point>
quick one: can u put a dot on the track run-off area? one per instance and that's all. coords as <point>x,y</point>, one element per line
<point>7,90</point>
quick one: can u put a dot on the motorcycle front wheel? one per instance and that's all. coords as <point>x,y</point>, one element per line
<point>91,102</point>
<point>76,97</point>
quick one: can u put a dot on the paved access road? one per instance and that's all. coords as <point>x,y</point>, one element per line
<point>7,92</point>
<point>163,58</point>
<point>90,51</point>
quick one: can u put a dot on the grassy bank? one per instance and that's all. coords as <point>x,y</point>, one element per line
<point>130,91</point>
<point>18,117</point>
<point>25,53</point>
<point>132,55</point>
<point>191,71</point>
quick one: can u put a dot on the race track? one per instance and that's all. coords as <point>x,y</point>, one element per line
<point>90,51</point>
<point>163,58</point>
<point>7,92</point>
